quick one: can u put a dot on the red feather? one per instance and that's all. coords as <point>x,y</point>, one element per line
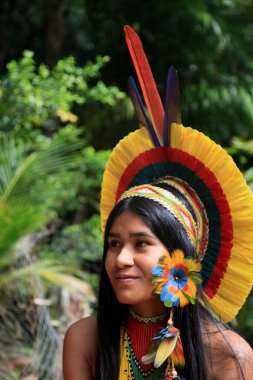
<point>145,76</point>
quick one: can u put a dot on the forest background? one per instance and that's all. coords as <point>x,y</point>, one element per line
<point>63,106</point>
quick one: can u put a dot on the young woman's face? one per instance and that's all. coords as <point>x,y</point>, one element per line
<point>133,251</point>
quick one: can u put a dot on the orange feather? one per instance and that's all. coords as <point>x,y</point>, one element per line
<point>177,355</point>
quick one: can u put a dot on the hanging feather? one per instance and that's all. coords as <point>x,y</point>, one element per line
<point>150,355</point>
<point>177,355</point>
<point>148,85</point>
<point>164,345</point>
<point>140,110</point>
<point>164,350</point>
<point>172,105</point>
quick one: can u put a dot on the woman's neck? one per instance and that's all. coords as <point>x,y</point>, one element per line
<point>149,319</point>
<point>140,333</point>
<point>150,309</point>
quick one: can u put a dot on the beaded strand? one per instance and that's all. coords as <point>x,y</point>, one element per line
<point>130,368</point>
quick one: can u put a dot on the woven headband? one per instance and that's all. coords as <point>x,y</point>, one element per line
<point>172,204</point>
<point>202,223</point>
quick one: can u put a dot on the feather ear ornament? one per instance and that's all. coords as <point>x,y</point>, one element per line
<point>176,279</point>
<point>167,346</point>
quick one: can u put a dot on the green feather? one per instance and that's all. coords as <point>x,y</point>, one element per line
<point>189,298</point>
<point>196,278</point>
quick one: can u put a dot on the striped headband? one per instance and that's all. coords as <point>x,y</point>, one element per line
<point>172,204</point>
<point>198,208</point>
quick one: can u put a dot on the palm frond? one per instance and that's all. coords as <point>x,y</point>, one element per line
<point>28,184</point>
<point>17,221</point>
<point>48,270</point>
<point>8,162</point>
<point>25,189</point>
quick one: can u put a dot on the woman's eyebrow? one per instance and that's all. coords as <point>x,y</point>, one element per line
<point>133,234</point>
<point>142,233</point>
<point>114,234</point>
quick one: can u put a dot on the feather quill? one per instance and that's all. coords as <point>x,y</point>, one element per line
<point>172,105</point>
<point>140,110</point>
<point>148,85</point>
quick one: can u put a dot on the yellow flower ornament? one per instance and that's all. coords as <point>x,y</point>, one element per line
<point>176,278</point>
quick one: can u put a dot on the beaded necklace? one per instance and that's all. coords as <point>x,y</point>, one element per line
<point>136,338</point>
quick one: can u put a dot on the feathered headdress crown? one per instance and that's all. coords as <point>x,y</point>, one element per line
<point>164,147</point>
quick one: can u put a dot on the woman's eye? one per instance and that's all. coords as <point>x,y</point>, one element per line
<point>141,243</point>
<point>114,243</point>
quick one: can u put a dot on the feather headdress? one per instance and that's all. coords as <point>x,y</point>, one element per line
<point>164,147</point>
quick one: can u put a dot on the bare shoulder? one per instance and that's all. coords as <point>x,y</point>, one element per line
<point>230,356</point>
<point>83,329</point>
<point>80,350</point>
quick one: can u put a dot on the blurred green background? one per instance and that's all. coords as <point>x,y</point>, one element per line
<point>63,106</point>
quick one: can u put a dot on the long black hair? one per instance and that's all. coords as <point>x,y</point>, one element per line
<point>111,313</point>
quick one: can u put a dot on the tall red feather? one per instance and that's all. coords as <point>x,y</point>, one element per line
<point>145,76</point>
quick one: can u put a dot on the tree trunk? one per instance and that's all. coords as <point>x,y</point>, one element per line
<point>54,26</point>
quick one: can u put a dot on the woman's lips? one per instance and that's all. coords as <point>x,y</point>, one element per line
<point>124,278</point>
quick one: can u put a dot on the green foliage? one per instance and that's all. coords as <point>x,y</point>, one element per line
<point>242,151</point>
<point>78,191</point>
<point>208,43</point>
<point>48,176</point>
<point>79,244</point>
<point>76,243</point>
<point>35,100</point>
<point>47,169</point>
<point>248,175</point>
<point>22,198</point>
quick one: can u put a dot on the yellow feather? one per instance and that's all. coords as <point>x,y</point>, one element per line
<point>164,350</point>
<point>178,256</point>
<point>192,265</point>
<point>122,155</point>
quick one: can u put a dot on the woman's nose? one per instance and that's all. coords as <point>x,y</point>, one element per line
<point>125,257</point>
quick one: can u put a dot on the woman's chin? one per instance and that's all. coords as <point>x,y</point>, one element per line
<point>142,305</point>
<point>127,299</point>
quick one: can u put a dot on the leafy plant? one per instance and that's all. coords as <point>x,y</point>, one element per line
<point>76,243</point>
<point>78,191</point>
<point>36,100</point>
<point>22,198</point>
<point>242,151</point>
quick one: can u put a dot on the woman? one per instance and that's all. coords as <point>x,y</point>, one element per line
<point>138,232</point>
<point>177,218</point>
